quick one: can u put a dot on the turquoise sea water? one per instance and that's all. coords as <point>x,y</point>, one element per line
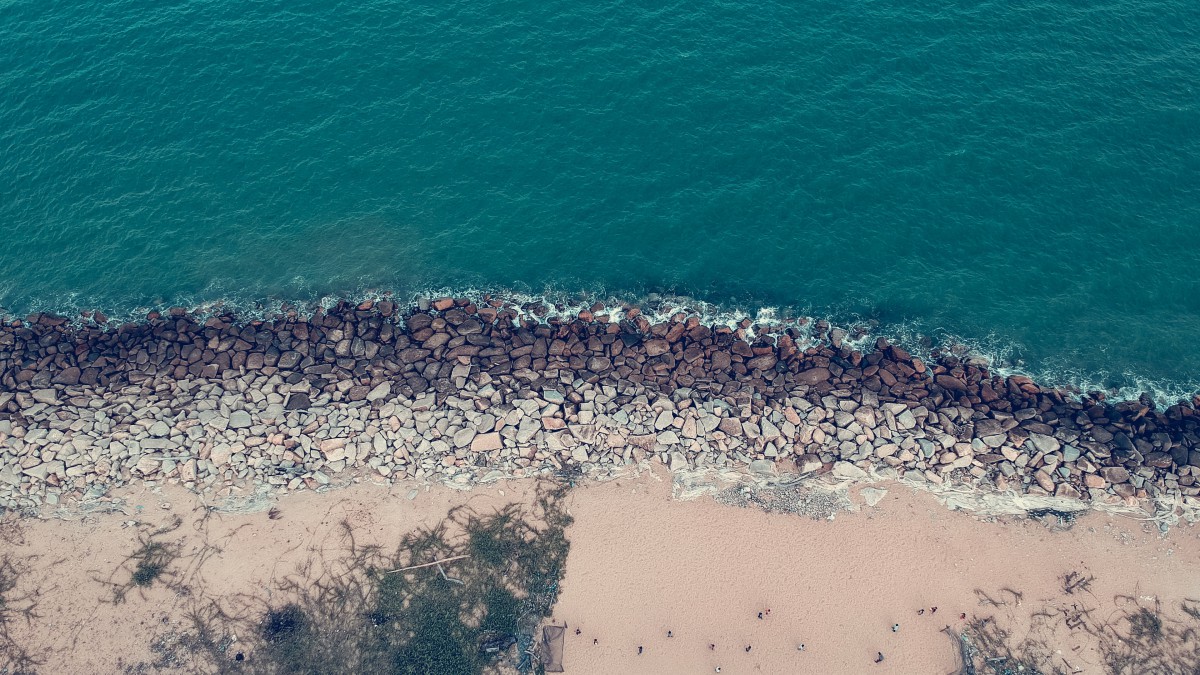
<point>1024,175</point>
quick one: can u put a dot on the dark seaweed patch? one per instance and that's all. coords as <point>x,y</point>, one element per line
<point>463,597</point>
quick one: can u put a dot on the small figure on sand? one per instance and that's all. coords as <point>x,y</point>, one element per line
<point>639,650</point>
<point>879,658</point>
<point>895,628</point>
<point>670,634</point>
<point>747,648</point>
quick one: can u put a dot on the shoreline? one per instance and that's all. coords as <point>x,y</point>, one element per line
<point>463,392</point>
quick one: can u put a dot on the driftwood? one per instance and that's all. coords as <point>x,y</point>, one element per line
<point>428,564</point>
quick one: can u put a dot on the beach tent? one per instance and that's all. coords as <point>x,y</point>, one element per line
<point>552,648</point>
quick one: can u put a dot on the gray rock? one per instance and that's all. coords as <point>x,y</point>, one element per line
<point>769,431</point>
<point>1044,443</point>
<point>41,471</point>
<point>762,467</point>
<point>872,496</point>
<point>677,461</point>
<point>288,360</point>
<point>463,438</point>
<point>47,396</point>
<point>848,471</point>
<point>8,475</point>
<point>239,419</point>
<point>160,429</point>
<point>381,391</point>
<point>527,429</point>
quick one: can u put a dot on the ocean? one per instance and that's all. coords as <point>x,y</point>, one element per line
<point>1022,177</point>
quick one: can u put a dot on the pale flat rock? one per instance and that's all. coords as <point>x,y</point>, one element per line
<point>239,419</point>
<point>886,450</point>
<point>762,467</point>
<point>381,391</point>
<point>769,431</point>
<point>668,437</point>
<point>848,471</point>
<point>41,471</point>
<point>677,461</point>
<point>220,455</point>
<point>464,437</point>
<point>872,496</point>
<point>1044,443</point>
<point>487,442</point>
<point>334,449</point>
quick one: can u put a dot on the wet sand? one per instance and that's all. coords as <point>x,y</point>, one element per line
<point>641,564</point>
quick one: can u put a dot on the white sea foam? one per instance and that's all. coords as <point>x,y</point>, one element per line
<point>1000,357</point>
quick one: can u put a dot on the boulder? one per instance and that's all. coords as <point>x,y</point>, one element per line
<point>1115,474</point>
<point>487,442</point>
<point>298,401</point>
<point>379,392</point>
<point>813,376</point>
<point>43,470</point>
<point>951,383</point>
<point>239,419</point>
<point>657,347</point>
<point>1044,443</point>
<point>68,376</point>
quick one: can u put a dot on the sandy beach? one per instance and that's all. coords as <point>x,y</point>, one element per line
<point>653,584</point>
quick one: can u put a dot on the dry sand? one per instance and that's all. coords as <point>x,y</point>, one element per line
<point>641,564</point>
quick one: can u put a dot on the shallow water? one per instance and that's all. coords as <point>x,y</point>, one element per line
<point>1024,176</point>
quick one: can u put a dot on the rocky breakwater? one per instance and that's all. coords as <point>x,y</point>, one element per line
<point>461,392</point>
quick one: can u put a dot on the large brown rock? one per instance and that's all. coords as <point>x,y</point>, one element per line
<point>813,376</point>
<point>657,347</point>
<point>764,362</point>
<point>951,383</point>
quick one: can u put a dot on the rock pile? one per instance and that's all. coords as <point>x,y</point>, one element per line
<point>461,392</point>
